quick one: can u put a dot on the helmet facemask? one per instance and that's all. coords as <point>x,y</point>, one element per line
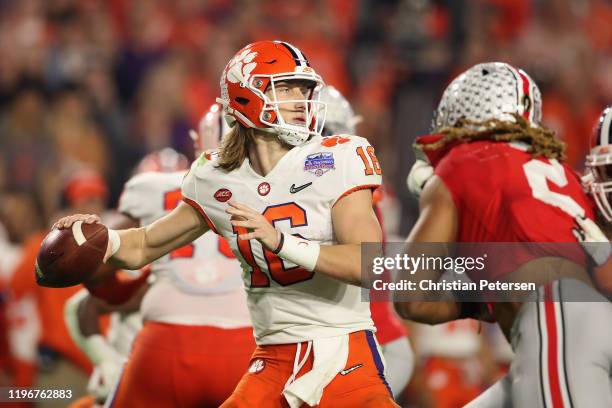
<point>314,109</point>
<point>600,167</point>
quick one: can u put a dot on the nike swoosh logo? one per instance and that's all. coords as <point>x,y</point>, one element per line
<point>350,369</point>
<point>295,189</point>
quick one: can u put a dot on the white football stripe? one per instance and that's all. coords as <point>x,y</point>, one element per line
<point>77,233</point>
<point>605,130</point>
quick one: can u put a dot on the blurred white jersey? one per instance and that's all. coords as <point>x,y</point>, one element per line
<point>198,284</point>
<point>456,339</point>
<point>122,330</point>
<point>502,351</point>
<point>288,304</point>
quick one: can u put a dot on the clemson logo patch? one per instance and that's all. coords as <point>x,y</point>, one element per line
<point>334,140</point>
<point>263,189</point>
<point>257,366</point>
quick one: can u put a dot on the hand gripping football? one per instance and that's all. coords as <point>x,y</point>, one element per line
<point>70,256</point>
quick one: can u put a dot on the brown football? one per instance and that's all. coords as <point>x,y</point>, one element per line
<point>70,256</point>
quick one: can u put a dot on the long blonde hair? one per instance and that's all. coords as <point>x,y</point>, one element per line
<point>542,141</point>
<point>235,147</point>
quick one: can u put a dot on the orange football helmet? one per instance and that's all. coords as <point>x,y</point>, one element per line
<point>256,68</point>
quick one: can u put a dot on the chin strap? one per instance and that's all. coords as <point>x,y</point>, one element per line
<point>285,136</point>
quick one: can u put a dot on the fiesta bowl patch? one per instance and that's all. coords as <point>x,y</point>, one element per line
<point>319,163</point>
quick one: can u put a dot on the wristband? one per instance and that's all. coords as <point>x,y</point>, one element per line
<point>115,241</point>
<point>299,251</point>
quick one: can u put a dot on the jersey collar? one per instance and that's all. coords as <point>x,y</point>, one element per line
<point>433,156</point>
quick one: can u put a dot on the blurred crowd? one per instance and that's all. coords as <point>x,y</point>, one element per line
<point>88,87</point>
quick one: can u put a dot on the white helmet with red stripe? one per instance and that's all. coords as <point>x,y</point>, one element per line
<point>492,90</point>
<point>599,163</point>
<point>211,129</point>
<point>340,118</point>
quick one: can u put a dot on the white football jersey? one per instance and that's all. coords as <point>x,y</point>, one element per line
<point>198,284</point>
<point>122,330</point>
<point>287,303</point>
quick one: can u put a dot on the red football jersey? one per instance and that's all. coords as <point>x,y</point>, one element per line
<point>502,194</point>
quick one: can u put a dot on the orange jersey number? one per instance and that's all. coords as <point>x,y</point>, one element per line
<point>370,161</point>
<point>282,275</point>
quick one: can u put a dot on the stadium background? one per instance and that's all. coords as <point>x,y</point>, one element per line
<point>87,88</point>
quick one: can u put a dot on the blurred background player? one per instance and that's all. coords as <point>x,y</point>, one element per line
<point>390,331</point>
<point>597,181</point>
<point>108,354</point>
<point>492,168</point>
<point>43,353</point>
<point>450,369</point>
<point>197,337</point>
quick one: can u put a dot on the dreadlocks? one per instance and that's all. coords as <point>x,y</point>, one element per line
<point>542,141</point>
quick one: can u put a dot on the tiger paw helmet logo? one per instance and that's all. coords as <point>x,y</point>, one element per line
<point>240,67</point>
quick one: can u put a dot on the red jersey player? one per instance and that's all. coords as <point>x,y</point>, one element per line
<point>498,178</point>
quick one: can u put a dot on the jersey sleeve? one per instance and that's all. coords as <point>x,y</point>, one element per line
<point>133,201</point>
<point>359,167</point>
<point>191,192</point>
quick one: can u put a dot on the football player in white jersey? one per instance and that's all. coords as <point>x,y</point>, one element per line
<point>295,208</point>
<point>195,312</point>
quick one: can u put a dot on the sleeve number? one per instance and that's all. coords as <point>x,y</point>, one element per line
<point>277,270</point>
<point>370,161</point>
